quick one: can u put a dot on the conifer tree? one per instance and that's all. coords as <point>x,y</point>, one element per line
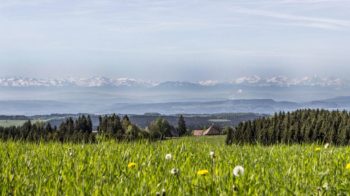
<point>181,126</point>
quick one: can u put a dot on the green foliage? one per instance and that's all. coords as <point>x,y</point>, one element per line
<point>160,128</point>
<point>301,126</point>
<point>79,130</point>
<point>111,127</point>
<point>181,126</point>
<point>229,132</point>
<point>102,168</point>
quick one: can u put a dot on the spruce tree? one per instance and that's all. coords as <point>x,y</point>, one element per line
<point>181,126</point>
<point>229,136</point>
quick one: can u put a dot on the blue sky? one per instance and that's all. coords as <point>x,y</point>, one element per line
<point>174,39</point>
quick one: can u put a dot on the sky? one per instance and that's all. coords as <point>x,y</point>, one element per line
<point>188,40</point>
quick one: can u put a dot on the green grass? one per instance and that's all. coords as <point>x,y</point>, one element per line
<point>9,123</point>
<point>101,169</point>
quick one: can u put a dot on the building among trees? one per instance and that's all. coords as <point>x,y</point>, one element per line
<point>212,130</point>
<point>198,132</point>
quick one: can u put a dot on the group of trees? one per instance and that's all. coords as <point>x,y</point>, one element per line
<point>75,130</point>
<point>113,127</point>
<point>81,130</point>
<point>301,126</point>
<point>159,129</point>
<point>69,130</point>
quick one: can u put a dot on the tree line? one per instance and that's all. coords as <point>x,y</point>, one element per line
<point>122,129</point>
<point>81,130</point>
<point>301,126</point>
<point>78,130</point>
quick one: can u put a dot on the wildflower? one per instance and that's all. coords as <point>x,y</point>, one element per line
<point>347,166</point>
<point>203,172</point>
<point>132,165</point>
<point>238,171</point>
<point>212,154</point>
<point>326,145</point>
<point>168,157</point>
<point>318,149</point>
<point>70,152</point>
<point>175,171</point>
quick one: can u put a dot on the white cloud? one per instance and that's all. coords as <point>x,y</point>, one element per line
<point>312,1</point>
<point>135,36</point>
<point>317,22</point>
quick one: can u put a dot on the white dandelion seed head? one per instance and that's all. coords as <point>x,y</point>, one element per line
<point>326,145</point>
<point>238,171</point>
<point>212,154</point>
<point>168,156</point>
<point>174,171</point>
<point>163,190</point>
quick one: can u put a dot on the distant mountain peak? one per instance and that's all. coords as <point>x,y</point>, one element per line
<point>100,81</point>
<point>284,81</point>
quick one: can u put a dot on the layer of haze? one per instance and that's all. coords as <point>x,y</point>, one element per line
<point>174,39</point>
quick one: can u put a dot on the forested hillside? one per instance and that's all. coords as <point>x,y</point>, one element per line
<point>80,129</point>
<point>301,126</point>
<point>193,121</point>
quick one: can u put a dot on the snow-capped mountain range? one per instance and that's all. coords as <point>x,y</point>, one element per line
<point>79,82</point>
<point>285,81</point>
<point>257,81</point>
<point>19,95</point>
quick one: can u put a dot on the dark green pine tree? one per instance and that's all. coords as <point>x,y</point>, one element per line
<point>181,126</point>
<point>229,136</point>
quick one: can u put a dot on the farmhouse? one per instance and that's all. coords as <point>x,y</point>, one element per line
<point>210,131</point>
<point>198,132</point>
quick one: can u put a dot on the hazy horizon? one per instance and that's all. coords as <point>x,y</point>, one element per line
<point>109,56</point>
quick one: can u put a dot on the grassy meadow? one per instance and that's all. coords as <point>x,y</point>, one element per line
<point>9,123</point>
<point>16,123</point>
<point>142,168</point>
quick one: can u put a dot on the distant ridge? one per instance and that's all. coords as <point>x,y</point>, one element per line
<point>262,106</point>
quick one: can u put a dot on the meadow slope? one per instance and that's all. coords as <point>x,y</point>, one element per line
<point>95,169</point>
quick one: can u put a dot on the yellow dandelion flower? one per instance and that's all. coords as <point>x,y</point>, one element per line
<point>132,165</point>
<point>347,166</point>
<point>203,172</point>
<point>318,149</point>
